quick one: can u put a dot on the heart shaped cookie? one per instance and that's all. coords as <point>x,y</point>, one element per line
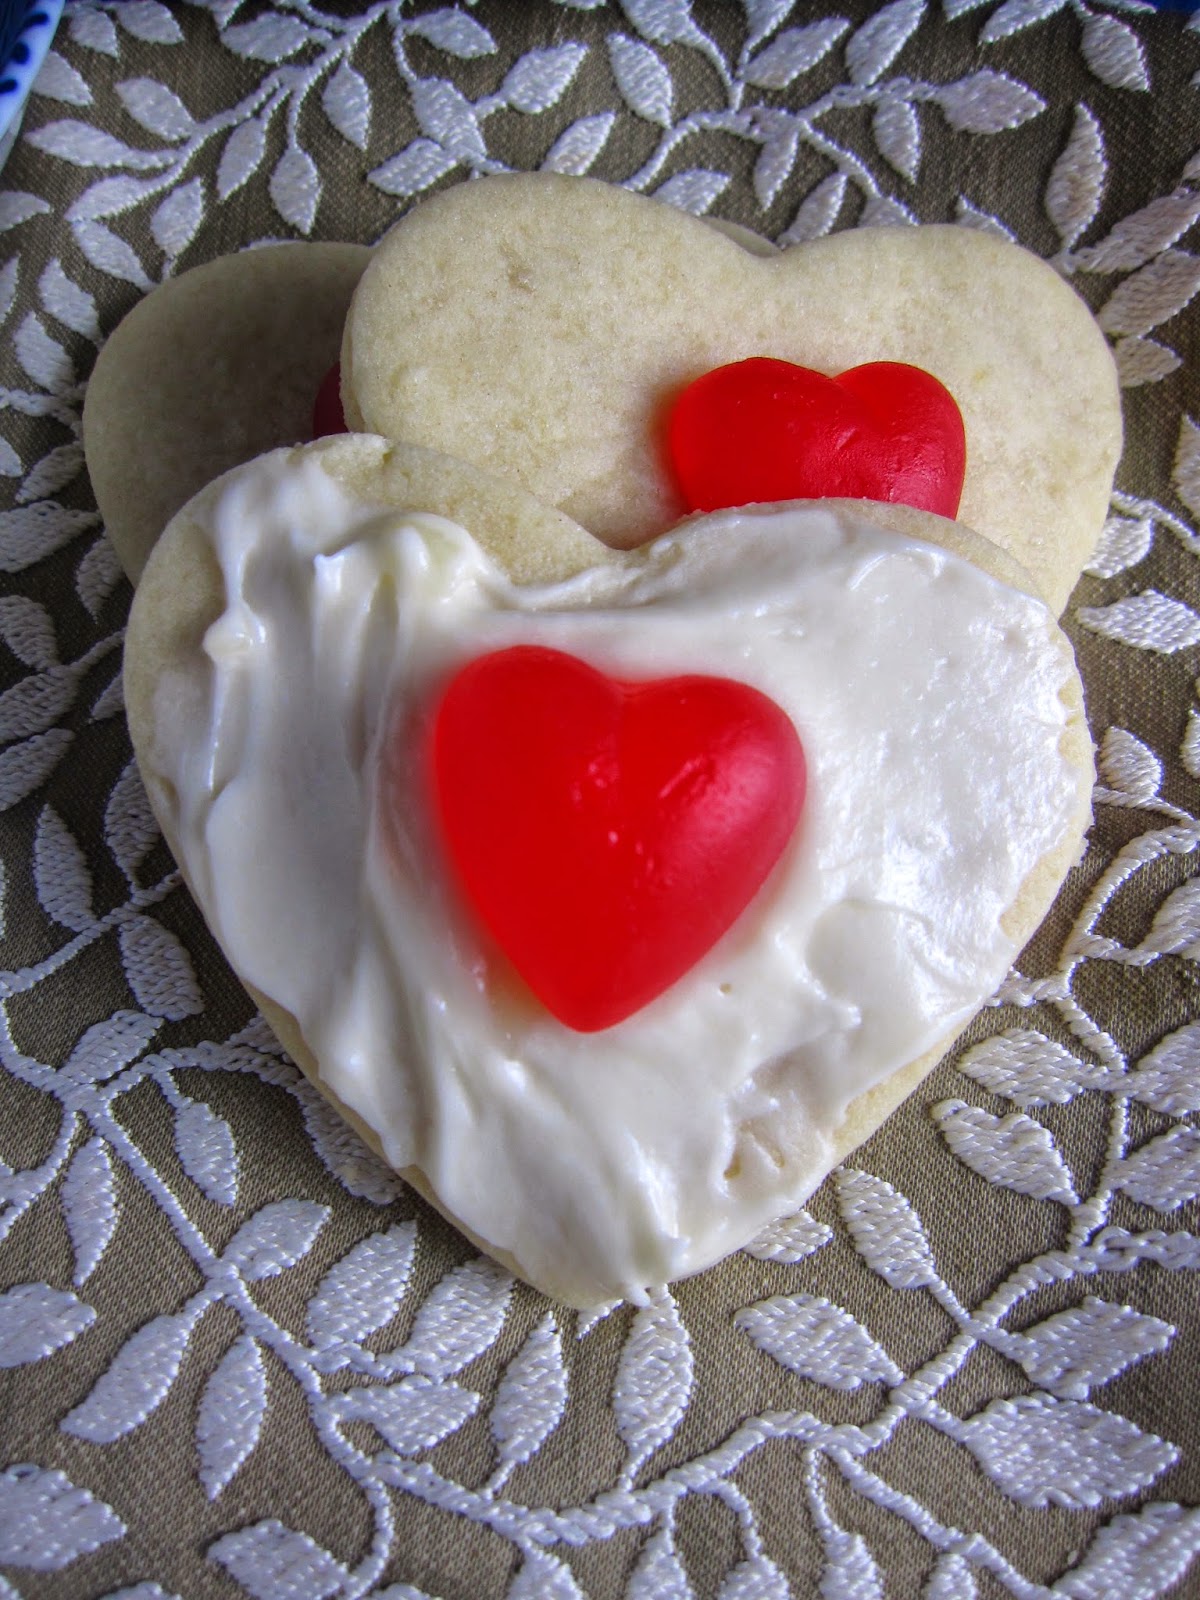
<point>294,635</point>
<point>540,326</point>
<point>210,370</point>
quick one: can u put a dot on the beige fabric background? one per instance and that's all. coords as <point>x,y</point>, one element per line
<point>979,1389</point>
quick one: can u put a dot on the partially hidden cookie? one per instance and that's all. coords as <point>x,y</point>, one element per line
<point>209,370</point>
<point>540,326</point>
<point>335,668</point>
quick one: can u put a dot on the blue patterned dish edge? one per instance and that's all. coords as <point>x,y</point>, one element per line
<point>25,35</point>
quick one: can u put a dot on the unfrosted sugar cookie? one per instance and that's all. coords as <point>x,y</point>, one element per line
<point>541,327</point>
<point>210,370</point>
<point>458,788</point>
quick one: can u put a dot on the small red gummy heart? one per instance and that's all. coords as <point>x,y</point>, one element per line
<point>608,833</point>
<point>328,416</point>
<point>764,430</point>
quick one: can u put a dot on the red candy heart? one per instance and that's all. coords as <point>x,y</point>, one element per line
<point>765,430</point>
<point>328,416</point>
<point>608,833</point>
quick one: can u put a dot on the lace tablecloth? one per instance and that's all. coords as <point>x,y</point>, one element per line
<point>239,1358</point>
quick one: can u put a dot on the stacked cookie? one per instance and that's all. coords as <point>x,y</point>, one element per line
<point>615,870</point>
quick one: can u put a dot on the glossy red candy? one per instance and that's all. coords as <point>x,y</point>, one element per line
<point>608,833</point>
<point>765,430</point>
<point>328,416</point>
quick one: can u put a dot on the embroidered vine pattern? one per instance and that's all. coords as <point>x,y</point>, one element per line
<point>1054,1446</point>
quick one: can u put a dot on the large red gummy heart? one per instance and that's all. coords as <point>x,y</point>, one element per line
<point>765,430</point>
<point>608,833</point>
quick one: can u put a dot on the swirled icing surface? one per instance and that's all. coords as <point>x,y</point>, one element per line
<point>928,699</point>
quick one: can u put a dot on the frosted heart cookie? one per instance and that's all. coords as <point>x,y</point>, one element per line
<point>309,663</point>
<point>210,370</point>
<point>540,327</point>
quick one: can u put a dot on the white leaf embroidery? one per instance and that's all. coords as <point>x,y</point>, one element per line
<point>8,287</point>
<point>412,1415</point>
<point>1123,542</point>
<point>1189,753</point>
<point>1152,295</point>
<point>241,157</point>
<point>295,189</point>
<point>130,829</point>
<point>790,1239</point>
<point>886,1230</point>
<point>1165,1173</point>
<point>659,1573</point>
<point>795,51</point>
<point>94,30</point>
<point>158,970</point>
<point>42,357</point>
<point>818,211</point>
<point>1142,361</point>
<point>359,1170</point>
<point>56,469</point>
<point>762,18</point>
<point>137,1381</point>
<point>272,37</point>
<point>1014,16</point>
<point>11,465</point>
<point>60,873</point>
<point>540,78</point>
<point>1076,184</point>
<point>1013,1151</point>
<point>1143,234</point>
<point>72,305</point>
<point>175,223</point>
<point>987,102</point>
<point>951,1579</point>
<point>1129,767</point>
<point>275,1238</point>
<point>1176,926</point>
<point>149,21</point>
<point>347,103</point>
<point>142,1591</point>
<point>970,216</point>
<point>1147,621</point>
<point>881,211</point>
<point>110,702</point>
<point>1137,1556</point>
<point>97,574</point>
<point>531,1395</point>
<point>17,207</point>
<point>158,109</point>
<point>411,172</point>
<point>696,190</point>
<point>1185,474</point>
<point>108,1046</point>
<point>1114,52</point>
<point>1041,1451</point>
<point>897,133</point>
<point>272,1562</point>
<point>759,1579</point>
<point>25,766</point>
<point>815,1339</point>
<point>204,1144</point>
<point>654,1378</point>
<point>448,117</point>
<point>46,1522</point>
<point>577,147</point>
<point>84,145</point>
<point>27,628</point>
<point>57,79</point>
<point>35,702</point>
<point>230,1415</point>
<point>460,1318</point>
<point>1030,1069</point>
<point>1076,1350</point>
<point>774,167</point>
<point>36,1320</point>
<point>363,1291</point>
<point>850,1570</point>
<point>89,1202</point>
<point>663,21</point>
<point>454,32</point>
<point>880,40</point>
<point>543,1577</point>
<point>1168,1079</point>
<point>643,80</point>
<point>110,196</point>
<point>110,254</point>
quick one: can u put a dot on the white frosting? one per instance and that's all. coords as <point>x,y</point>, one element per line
<point>927,698</point>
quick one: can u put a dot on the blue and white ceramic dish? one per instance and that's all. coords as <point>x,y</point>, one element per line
<point>26,29</point>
